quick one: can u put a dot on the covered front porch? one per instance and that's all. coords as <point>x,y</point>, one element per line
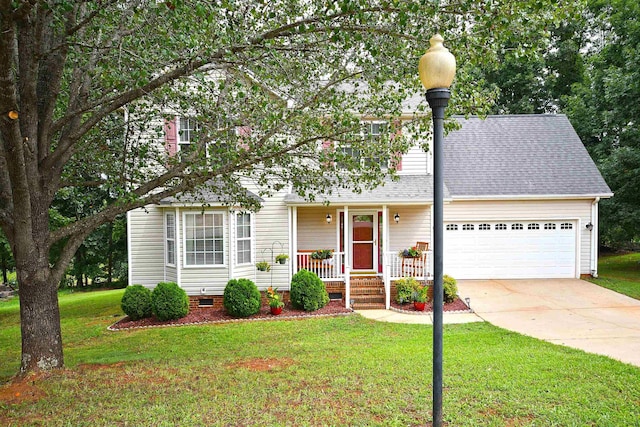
<point>351,247</point>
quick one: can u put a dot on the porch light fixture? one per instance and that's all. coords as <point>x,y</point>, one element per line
<point>396,218</point>
<point>437,69</point>
<point>589,226</point>
<point>329,218</point>
<point>468,301</point>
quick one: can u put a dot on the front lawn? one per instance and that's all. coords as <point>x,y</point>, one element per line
<point>328,371</point>
<point>620,273</point>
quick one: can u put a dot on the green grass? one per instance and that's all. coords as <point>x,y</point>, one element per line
<point>324,371</point>
<point>620,273</point>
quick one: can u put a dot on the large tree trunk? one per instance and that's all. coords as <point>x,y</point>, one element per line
<point>39,319</point>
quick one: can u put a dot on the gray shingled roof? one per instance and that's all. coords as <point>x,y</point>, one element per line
<point>408,189</point>
<point>519,155</point>
<point>206,194</point>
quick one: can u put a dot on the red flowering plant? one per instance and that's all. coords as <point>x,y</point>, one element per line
<point>274,298</point>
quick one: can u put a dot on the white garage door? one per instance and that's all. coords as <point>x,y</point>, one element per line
<point>510,249</point>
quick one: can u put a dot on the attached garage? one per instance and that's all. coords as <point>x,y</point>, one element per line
<point>510,249</point>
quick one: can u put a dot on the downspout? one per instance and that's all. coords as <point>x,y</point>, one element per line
<point>594,237</point>
<point>129,249</point>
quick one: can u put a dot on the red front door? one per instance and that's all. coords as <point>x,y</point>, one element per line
<point>363,241</point>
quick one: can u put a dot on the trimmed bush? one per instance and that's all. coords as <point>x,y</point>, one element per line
<point>308,291</point>
<point>241,298</point>
<point>450,288</point>
<point>136,302</point>
<point>169,301</point>
<point>405,288</point>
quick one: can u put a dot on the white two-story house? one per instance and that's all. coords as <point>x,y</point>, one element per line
<point>521,201</point>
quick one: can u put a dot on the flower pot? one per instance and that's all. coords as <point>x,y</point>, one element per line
<point>282,261</point>
<point>419,306</point>
<point>276,310</point>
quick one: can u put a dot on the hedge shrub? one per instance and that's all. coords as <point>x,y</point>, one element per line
<point>308,291</point>
<point>450,288</point>
<point>405,288</point>
<point>136,302</point>
<point>169,301</point>
<point>241,298</point>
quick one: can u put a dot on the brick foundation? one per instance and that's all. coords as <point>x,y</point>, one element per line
<point>194,300</point>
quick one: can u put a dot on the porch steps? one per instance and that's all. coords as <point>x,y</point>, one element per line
<point>367,293</point>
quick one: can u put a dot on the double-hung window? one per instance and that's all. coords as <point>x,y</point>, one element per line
<point>204,239</point>
<point>243,238</point>
<point>170,238</point>
<point>187,131</point>
<point>372,132</point>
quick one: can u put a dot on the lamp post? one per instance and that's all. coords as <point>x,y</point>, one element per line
<point>437,68</point>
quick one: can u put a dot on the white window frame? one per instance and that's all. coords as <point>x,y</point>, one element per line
<point>168,239</point>
<point>194,127</point>
<point>185,239</point>
<point>366,128</point>
<point>182,131</point>
<point>244,238</point>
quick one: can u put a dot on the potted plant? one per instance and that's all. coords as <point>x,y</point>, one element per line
<point>322,254</point>
<point>420,298</point>
<point>282,258</point>
<point>263,266</point>
<point>411,252</point>
<point>275,302</point>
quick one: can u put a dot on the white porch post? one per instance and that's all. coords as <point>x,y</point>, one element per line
<point>347,263</point>
<point>385,248</point>
<point>293,216</point>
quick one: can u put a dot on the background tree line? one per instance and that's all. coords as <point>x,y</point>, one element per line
<point>588,69</point>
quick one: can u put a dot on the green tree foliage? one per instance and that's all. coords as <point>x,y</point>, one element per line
<point>6,257</point>
<point>84,85</point>
<point>604,109</point>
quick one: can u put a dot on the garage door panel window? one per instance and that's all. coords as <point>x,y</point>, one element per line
<point>566,226</point>
<point>467,227</point>
<point>452,227</point>
<point>549,226</point>
<point>501,226</point>
<point>517,227</point>
<point>533,226</point>
<point>484,227</point>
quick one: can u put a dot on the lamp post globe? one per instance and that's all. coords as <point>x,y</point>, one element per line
<point>437,69</point>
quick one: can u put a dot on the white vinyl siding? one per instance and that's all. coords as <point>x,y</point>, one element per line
<point>203,239</point>
<point>414,226</point>
<point>271,235</point>
<point>146,246</point>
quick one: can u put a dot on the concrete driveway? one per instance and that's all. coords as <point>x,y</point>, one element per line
<point>569,312</point>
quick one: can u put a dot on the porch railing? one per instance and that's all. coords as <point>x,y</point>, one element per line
<point>326,269</point>
<point>419,267</point>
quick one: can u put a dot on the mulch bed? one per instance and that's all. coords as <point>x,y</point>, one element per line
<point>457,305</point>
<point>212,315</point>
